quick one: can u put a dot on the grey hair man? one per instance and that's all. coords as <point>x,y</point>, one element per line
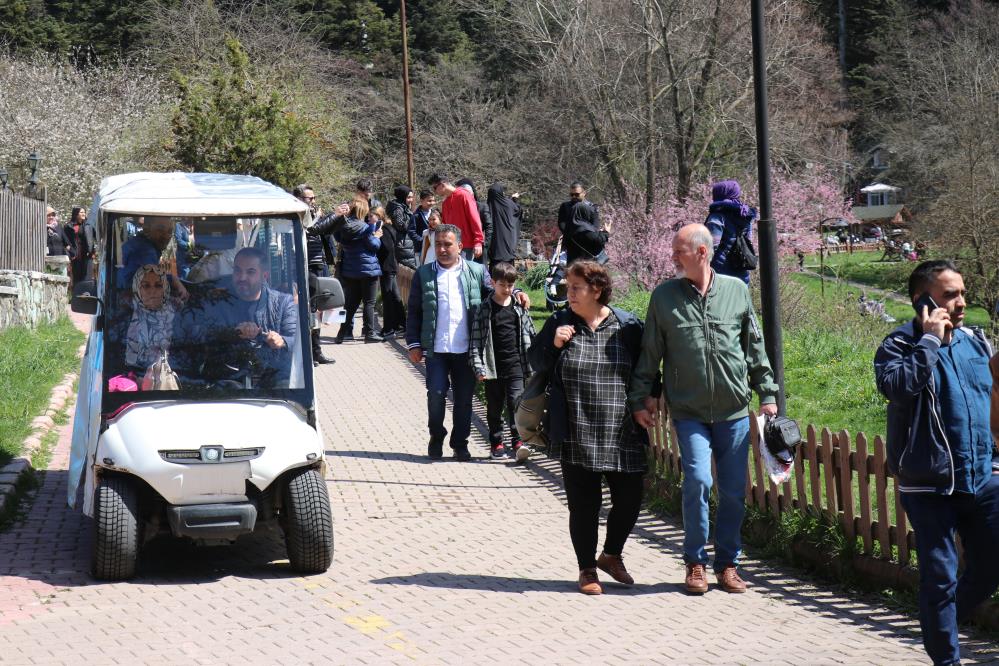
<point>702,327</point>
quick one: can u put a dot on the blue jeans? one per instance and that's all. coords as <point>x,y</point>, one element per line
<point>455,372</point>
<point>729,442</point>
<point>945,600</point>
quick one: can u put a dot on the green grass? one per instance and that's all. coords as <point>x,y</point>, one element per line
<point>865,268</point>
<point>31,363</point>
<point>840,292</point>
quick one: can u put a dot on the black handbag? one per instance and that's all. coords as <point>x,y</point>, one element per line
<point>782,436</point>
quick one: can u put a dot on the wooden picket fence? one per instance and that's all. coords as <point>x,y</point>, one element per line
<point>23,241</point>
<point>846,481</point>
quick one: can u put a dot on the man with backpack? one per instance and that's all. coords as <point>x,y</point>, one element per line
<point>583,237</point>
<point>731,224</point>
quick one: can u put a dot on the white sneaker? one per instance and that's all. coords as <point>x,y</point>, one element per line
<point>522,452</point>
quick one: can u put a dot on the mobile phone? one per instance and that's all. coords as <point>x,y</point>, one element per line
<point>924,301</point>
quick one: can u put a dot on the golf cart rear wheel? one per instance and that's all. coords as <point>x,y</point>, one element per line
<point>308,522</point>
<point>116,529</point>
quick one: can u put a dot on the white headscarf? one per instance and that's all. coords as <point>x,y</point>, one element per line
<point>149,331</point>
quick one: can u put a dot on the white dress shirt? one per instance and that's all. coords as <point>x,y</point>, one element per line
<point>451,334</point>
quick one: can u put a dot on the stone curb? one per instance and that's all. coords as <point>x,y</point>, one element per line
<point>20,468</point>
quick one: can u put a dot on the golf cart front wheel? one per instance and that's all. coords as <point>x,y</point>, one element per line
<point>116,529</point>
<point>308,522</point>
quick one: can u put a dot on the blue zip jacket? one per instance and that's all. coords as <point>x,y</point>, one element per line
<point>938,409</point>
<point>360,254</point>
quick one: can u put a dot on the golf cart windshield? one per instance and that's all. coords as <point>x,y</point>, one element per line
<point>204,307</point>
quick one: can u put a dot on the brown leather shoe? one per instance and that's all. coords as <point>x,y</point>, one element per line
<point>728,580</point>
<point>588,582</point>
<point>697,579</point>
<point>614,565</point>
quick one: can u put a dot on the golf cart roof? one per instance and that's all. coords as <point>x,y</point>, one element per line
<point>194,194</point>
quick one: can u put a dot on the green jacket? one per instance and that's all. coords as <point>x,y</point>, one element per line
<point>421,318</point>
<point>711,349</point>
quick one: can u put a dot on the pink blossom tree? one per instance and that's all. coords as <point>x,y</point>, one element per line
<point>640,246</point>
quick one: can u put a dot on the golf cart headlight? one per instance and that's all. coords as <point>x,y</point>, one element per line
<point>212,455</point>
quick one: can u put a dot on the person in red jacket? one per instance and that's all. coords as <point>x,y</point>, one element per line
<point>459,209</point>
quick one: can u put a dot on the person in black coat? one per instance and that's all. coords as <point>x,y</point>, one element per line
<point>83,242</point>
<point>579,222</point>
<point>57,241</point>
<point>393,233</point>
<point>318,256</point>
<point>507,216</point>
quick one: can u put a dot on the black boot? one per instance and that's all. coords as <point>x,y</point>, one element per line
<point>344,333</point>
<point>318,358</point>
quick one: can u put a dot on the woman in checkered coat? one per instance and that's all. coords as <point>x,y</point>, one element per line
<point>589,351</point>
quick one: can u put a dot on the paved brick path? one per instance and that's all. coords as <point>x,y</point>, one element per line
<point>435,563</point>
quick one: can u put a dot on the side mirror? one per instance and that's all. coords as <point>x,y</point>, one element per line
<point>84,301</point>
<point>329,294</point>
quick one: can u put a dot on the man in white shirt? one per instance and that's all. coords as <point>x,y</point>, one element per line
<point>442,300</point>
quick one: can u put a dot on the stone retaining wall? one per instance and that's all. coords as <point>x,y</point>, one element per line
<point>29,298</point>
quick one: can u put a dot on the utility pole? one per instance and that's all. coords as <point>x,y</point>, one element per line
<point>405,97</point>
<point>769,287</point>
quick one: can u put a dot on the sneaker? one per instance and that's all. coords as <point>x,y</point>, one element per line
<point>373,337</point>
<point>521,451</point>
<point>589,583</point>
<point>729,580</point>
<point>498,452</point>
<point>340,339</point>
<point>614,565</point>
<point>461,453</point>
<point>697,579</point>
<point>435,450</point>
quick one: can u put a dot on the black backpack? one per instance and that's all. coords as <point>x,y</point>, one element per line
<point>742,256</point>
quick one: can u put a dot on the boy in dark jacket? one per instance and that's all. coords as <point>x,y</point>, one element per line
<point>502,333</point>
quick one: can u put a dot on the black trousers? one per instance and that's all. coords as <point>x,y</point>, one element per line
<point>502,393</point>
<point>584,494</point>
<point>358,290</point>
<point>393,311</point>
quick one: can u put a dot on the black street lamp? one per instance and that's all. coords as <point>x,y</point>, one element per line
<point>769,286</point>
<point>34,159</point>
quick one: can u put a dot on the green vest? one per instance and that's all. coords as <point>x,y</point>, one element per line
<point>471,286</point>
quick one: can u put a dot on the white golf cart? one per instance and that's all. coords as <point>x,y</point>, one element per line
<point>196,413</point>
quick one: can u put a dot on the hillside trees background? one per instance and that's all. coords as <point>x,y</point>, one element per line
<point>645,100</point>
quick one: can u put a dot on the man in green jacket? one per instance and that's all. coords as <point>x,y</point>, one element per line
<point>443,300</point>
<point>702,327</point>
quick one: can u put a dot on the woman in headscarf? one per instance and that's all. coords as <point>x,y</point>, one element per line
<point>151,325</point>
<point>507,216</point>
<point>728,218</point>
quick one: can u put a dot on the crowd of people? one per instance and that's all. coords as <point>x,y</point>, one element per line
<point>366,243</point>
<point>700,349</point>
<point>601,365</point>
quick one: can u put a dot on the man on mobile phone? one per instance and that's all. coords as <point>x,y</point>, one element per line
<point>935,373</point>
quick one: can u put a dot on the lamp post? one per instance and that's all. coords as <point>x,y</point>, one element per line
<point>822,257</point>
<point>410,172</point>
<point>34,159</point>
<point>769,287</point>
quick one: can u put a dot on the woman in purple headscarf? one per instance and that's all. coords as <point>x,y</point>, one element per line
<point>728,218</point>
